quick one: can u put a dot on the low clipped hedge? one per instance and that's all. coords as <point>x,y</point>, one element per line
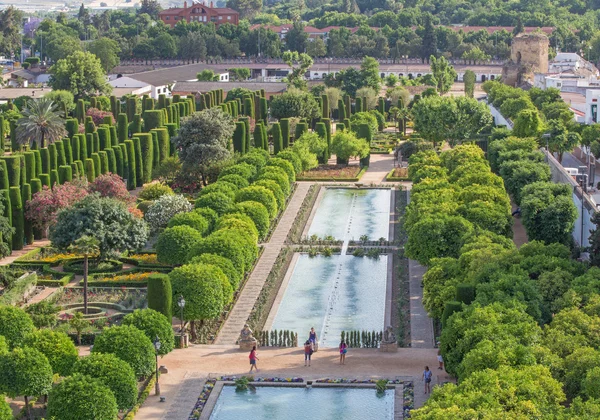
<point>142,265</point>
<point>330,179</point>
<point>71,267</point>
<point>56,282</point>
<point>15,294</point>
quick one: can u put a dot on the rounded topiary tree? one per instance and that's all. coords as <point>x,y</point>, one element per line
<point>259,215</point>
<point>154,191</point>
<point>225,244</point>
<point>153,324</point>
<point>57,347</point>
<point>81,397</point>
<point>5,410</point>
<point>261,195</point>
<point>285,165</point>
<point>164,208</point>
<point>128,344</point>
<point>160,297</point>
<point>238,221</point>
<point>174,244</point>
<point>246,171</point>
<point>191,219</point>
<point>237,180</point>
<point>274,188</point>
<point>280,179</point>
<point>224,264</point>
<point>105,219</point>
<point>209,214</point>
<point>220,186</point>
<point>114,373</point>
<point>202,288</point>
<point>217,201</point>
<point>25,372</point>
<point>15,325</point>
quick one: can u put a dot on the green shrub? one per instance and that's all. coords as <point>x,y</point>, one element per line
<point>154,190</point>
<point>254,159</point>
<point>15,325</point>
<point>217,201</point>
<point>465,293</point>
<point>239,137</point>
<point>29,166</point>
<point>244,170</point>
<point>153,119</point>
<point>122,127</point>
<point>261,195</point>
<point>226,266</point>
<point>13,165</point>
<point>90,172</point>
<point>164,143</point>
<point>293,158</point>
<point>259,215</point>
<point>280,179</point>
<point>57,347</point>
<point>114,373</point>
<point>159,294</point>
<point>449,309</point>
<point>223,244</point>
<point>274,188</point>
<point>81,397</point>
<point>209,214</point>
<point>147,155</point>
<point>153,324</point>
<point>191,219</point>
<point>139,161</point>
<point>221,187</point>
<point>18,218</point>
<point>174,244</point>
<point>131,164</point>
<point>128,344</point>
<point>238,181</point>
<point>238,221</point>
<point>65,174</point>
<point>285,165</point>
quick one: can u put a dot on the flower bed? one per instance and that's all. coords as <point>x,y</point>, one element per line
<point>129,299</point>
<point>54,280</point>
<point>350,173</point>
<point>146,259</point>
<point>106,266</point>
<point>397,174</point>
<point>133,279</point>
<point>45,256</point>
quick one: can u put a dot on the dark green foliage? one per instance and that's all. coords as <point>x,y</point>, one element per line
<point>322,132</point>
<point>263,109</point>
<point>103,161</point>
<point>90,171</point>
<point>249,107</point>
<point>104,136</point>
<point>301,128</point>
<point>217,201</point>
<point>358,105</point>
<point>114,373</point>
<point>90,127</point>
<point>174,244</point>
<point>57,347</point>
<point>449,309</point>
<point>29,166</point>
<point>259,139</point>
<point>95,142</point>
<point>122,127</point>
<point>81,397</point>
<point>285,132</point>
<point>15,325</point>
<point>324,106</point>
<point>45,179</point>
<point>139,167</point>
<point>153,119</point>
<point>191,219</point>
<point>14,145</point>
<point>97,164</point>
<point>239,137</point>
<point>38,161</point>
<point>18,219</point>
<point>13,165</point>
<point>136,125</point>
<point>159,294</point>
<point>28,229</point>
<point>132,102</point>
<point>68,151</point>
<point>341,110</point>
<point>164,143</point>
<point>238,181</point>
<point>147,155</point>
<point>465,293</point>
<point>261,195</point>
<point>131,163</point>
<point>277,139</point>
<point>364,132</point>
<point>4,184</point>
<point>155,325</point>
<point>72,126</point>
<point>112,163</point>
<point>54,178</point>
<point>45,155</point>
<point>65,174</point>
<point>80,111</point>
<point>25,372</point>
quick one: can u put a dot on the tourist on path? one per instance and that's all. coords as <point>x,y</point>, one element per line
<point>253,359</point>
<point>308,351</point>
<point>440,360</point>
<point>427,374</point>
<point>312,337</point>
<point>343,351</point>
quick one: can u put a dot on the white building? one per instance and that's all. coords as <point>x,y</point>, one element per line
<point>592,99</point>
<point>570,62</point>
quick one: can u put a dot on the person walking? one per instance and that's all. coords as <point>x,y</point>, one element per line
<point>312,337</point>
<point>308,351</point>
<point>427,374</point>
<point>253,359</point>
<point>343,351</point>
<point>440,360</point>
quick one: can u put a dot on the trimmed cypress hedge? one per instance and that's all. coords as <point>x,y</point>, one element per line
<point>131,163</point>
<point>2,135</point>
<point>115,105</point>
<point>112,163</point>
<point>139,167</point>
<point>131,107</point>
<point>4,183</point>
<point>89,144</point>
<point>68,150</point>
<point>277,139</point>
<point>449,309</point>
<point>301,128</point>
<point>118,157</point>
<point>74,170</point>
<point>83,151</point>
<point>14,146</point>
<point>104,137</point>
<point>76,148</point>
<point>155,151</point>
<point>61,157</point>
<point>13,166</point>
<point>65,173</point>
<point>114,140</point>
<point>136,124</point>
<point>54,178</point>
<point>465,293</point>
<point>122,127</point>
<point>285,132</point>
<point>147,156</point>
<point>259,140</point>
<point>95,142</point>
<point>249,107</point>
<point>103,161</point>
<point>90,127</point>
<point>341,110</point>
<point>97,164</point>
<point>364,132</point>
<point>239,137</point>
<point>153,119</point>
<point>160,297</point>
<point>53,157</point>
<point>38,161</point>
<point>72,126</point>
<point>327,123</point>
<point>45,179</point>
<point>107,120</point>
<point>90,172</point>
<point>164,143</point>
<point>29,166</point>
<point>324,106</point>
<point>264,109</point>
<point>80,168</point>
<point>18,218</point>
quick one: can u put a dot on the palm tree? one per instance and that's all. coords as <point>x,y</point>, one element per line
<point>87,246</point>
<point>41,121</point>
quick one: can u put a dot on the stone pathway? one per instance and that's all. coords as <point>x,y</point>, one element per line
<point>241,311</point>
<point>379,167</point>
<point>17,254</point>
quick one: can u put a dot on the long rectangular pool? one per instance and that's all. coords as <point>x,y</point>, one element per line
<point>291,403</point>
<point>349,213</point>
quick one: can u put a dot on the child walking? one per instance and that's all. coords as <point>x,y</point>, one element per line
<point>253,359</point>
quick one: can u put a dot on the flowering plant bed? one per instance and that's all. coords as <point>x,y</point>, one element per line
<point>54,280</point>
<point>43,256</point>
<point>144,260</point>
<point>397,174</point>
<point>332,173</point>
<point>134,279</point>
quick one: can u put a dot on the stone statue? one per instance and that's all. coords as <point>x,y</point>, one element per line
<point>247,340</point>
<point>389,336</point>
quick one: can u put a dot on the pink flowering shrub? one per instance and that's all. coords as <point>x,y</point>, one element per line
<point>111,185</point>
<point>98,116</point>
<point>44,206</point>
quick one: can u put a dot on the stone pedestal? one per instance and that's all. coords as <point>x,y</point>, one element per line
<point>388,347</point>
<point>246,345</point>
<point>184,341</point>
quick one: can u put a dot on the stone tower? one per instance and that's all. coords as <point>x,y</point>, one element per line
<point>528,55</point>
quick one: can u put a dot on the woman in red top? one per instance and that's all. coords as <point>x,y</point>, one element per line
<point>308,350</point>
<point>343,351</point>
<point>253,359</point>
